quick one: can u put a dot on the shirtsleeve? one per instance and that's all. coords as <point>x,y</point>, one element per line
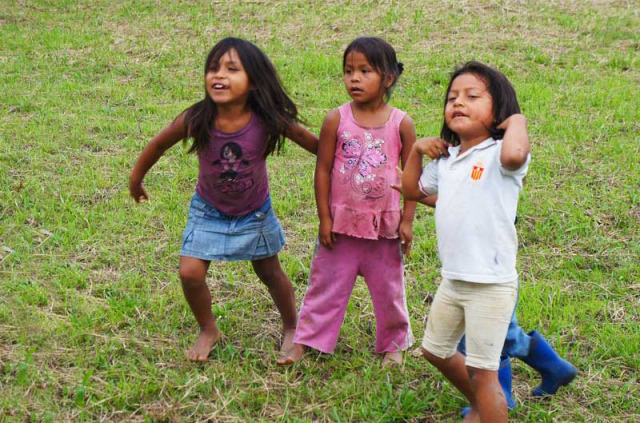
<point>428,182</point>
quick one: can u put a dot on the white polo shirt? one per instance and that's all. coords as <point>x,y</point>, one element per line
<point>475,213</point>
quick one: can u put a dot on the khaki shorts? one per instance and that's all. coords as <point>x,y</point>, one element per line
<point>482,310</point>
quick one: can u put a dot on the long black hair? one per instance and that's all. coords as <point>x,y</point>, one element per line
<point>380,55</point>
<point>267,99</point>
<point>503,96</point>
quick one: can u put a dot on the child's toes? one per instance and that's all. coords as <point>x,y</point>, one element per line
<point>285,361</point>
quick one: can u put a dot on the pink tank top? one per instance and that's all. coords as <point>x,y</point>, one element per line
<point>363,204</point>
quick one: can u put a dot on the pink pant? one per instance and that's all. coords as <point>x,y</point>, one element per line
<point>333,276</point>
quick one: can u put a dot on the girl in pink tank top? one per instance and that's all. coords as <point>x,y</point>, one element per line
<point>363,229</point>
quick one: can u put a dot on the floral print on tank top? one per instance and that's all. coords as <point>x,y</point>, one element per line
<point>360,163</point>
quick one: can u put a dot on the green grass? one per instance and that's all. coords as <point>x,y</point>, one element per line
<point>93,323</point>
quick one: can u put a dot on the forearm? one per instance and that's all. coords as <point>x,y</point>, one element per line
<point>168,137</point>
<point>429,200</point>
<point>149,156</point>
<point>303,137</point>
<point>408,210</point>
<point>515,143</point>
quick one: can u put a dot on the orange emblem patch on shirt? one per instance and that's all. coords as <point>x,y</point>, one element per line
<point>476,172</point>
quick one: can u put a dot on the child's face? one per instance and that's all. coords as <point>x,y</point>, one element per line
<point>227,81</point>
<point>469,108</point>
<point>228,154</point>
<point>362,81</point>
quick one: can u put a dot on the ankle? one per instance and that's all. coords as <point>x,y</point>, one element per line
<point>210,329</point>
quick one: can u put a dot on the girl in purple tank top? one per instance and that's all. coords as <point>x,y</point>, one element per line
<point>243,118</point>
<point>363,228</point>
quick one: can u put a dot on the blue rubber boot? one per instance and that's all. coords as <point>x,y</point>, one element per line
<point>504,377</point>
<point>555,371</point>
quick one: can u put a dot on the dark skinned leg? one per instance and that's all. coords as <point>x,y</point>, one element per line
<point>281,290</point>
<point>454,369</point>
<point>193,274</point>
<point>490,400</point>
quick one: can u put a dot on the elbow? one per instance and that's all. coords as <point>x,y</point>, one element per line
<point>411,193</point>
<point>410,190</point>
<point>321,174</point>
<point>514,161</point>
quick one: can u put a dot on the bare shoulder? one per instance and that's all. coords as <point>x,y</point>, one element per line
<point>407,131</point>
<point>406,123</point>
<point>179,124</point>
<point>331,121</point>
<point>333,116</point>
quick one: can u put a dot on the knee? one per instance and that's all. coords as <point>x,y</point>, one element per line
<point>191,276</point>
<point>481,377</point>
<point>435,360</point>
<point>269,272</point>
<point>473,376</point>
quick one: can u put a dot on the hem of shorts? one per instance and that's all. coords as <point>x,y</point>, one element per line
<point>430,351</point>
<point>484,279</point>
<point>493,369</point>
<point>227,258</point>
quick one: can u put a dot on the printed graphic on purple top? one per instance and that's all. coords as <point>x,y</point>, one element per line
<point>231,178</point>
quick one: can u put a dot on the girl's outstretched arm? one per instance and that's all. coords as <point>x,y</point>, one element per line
<point>168,137</point>
<point>426,200</point>
<point>322,178</point>
<point>515,142</point>
<point>408,138</point>
<point>429,201</point>
<point>433,147</point>
<point>303,138</point>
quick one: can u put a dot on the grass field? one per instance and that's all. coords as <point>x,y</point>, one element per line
<point>93,323</point>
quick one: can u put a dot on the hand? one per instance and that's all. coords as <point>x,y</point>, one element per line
<point>326,237</point>
<point>406,237</point>
<point>398,186</point>
<point>137,191</point>
<point>433,147</point>
<point>512,120</point>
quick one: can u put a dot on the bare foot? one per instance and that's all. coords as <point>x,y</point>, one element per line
<point>472,416</point>
<point>392,358</point>
<point>287,341</point>
<point>295,353</point>
<point>205,342</point>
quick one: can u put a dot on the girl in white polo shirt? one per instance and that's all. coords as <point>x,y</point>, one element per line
<point>478,180</point>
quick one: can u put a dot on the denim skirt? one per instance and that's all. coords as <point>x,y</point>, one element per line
<point>213,235</point>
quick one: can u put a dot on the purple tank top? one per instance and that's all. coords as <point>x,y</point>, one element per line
<point>233,170</point>
<point>363,204</point>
